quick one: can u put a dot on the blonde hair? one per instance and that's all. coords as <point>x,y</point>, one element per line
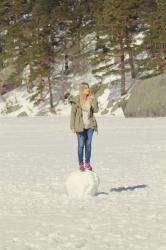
<point>83,98</point>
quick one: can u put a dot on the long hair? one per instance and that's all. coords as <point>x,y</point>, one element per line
<point>82,97</point>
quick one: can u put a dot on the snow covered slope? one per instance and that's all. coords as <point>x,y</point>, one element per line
<point>19,102</point>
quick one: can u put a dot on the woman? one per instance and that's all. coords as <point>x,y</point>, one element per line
<point>83,122</point>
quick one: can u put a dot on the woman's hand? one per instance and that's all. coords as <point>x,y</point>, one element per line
<point>94,103</point>
<point>73,130</point>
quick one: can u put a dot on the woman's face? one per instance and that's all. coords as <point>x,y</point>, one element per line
<point>85,90</point>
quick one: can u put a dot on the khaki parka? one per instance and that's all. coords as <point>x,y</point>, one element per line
<point>76,116</point>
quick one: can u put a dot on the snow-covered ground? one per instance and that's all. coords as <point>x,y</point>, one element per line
<point>37,154</point>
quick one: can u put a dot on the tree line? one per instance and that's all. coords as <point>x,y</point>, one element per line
<point>44,34</point>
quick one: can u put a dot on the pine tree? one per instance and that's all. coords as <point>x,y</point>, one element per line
<point>29,37</point>
<point>117,23</point>
<point>4,24</point>
<point>155,40</point>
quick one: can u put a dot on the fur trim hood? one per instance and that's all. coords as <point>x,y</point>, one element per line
<point>74,99</point>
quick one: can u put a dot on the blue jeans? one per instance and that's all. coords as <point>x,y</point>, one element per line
<point>84,138</point>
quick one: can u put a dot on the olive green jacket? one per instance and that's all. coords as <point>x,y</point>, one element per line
<point>76,116</point>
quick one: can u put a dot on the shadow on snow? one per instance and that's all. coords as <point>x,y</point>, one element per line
<point>129,188</point>
<point>121,189</point>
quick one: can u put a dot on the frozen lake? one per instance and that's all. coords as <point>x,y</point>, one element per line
<point>36,156</point>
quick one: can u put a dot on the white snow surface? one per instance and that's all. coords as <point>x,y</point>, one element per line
<point>37,154</point>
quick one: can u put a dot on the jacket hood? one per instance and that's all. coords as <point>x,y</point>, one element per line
<point>74,99</point>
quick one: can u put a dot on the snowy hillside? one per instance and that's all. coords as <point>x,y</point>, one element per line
<point>37,154</point>
<point>18,102</point>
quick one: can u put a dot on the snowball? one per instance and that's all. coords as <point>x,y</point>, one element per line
<point>81,184</point>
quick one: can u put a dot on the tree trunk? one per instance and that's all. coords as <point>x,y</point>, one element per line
<point>130,53</point>
<point>122,70</point>
<point>131,62</point>
<point>50,92</point>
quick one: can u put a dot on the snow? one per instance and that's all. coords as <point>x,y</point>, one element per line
<point>37,154</point>
<point>18,96</point>
<point>103,99</point>
<point>139,38</point>
<point>82,184</point>
<point>118,112</point>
